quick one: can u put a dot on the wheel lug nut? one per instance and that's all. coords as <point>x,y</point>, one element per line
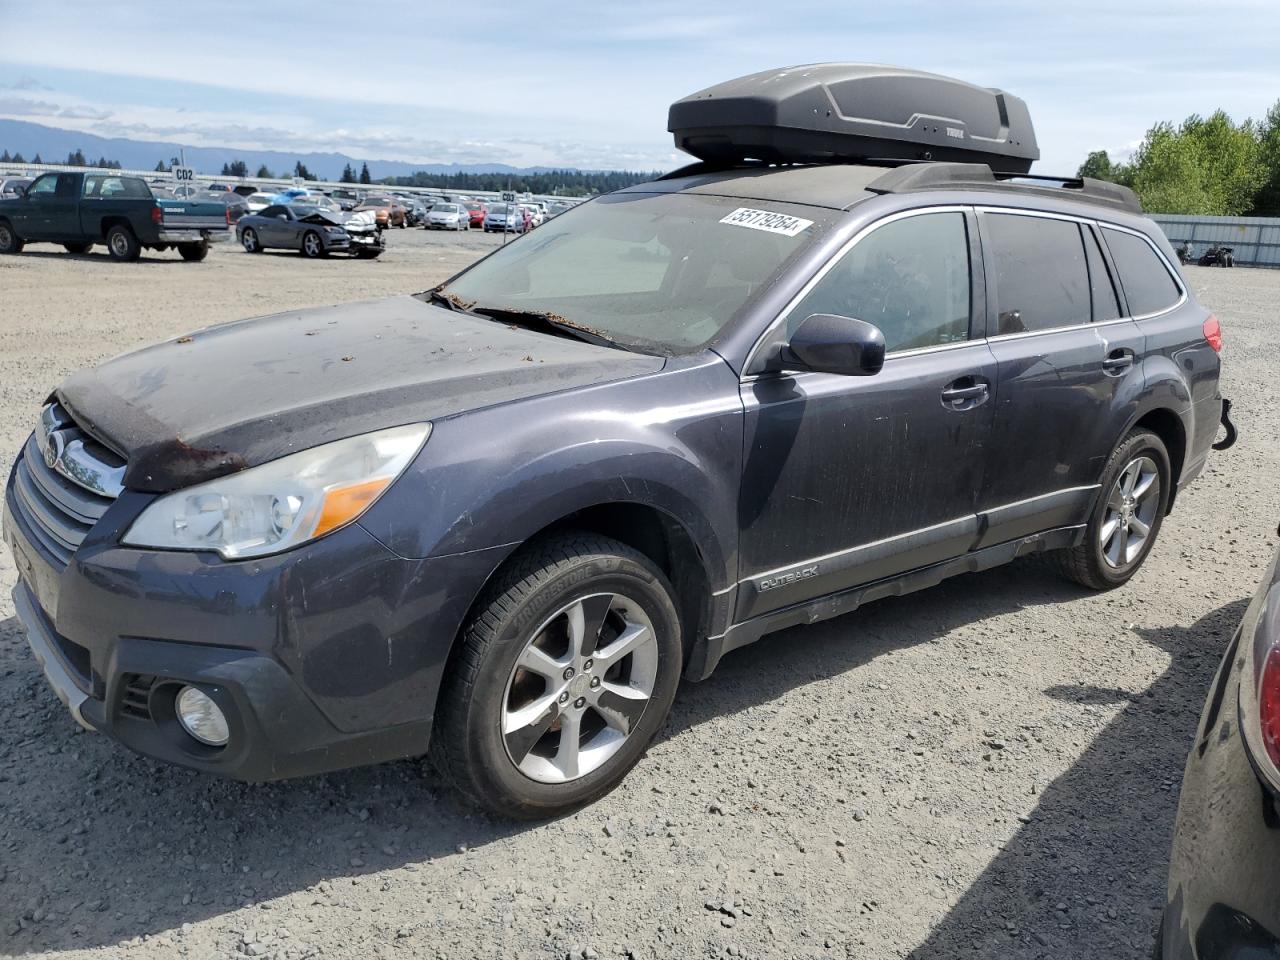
<point>568,673</point>
<point>564,698</point>
<point>595,681</point>
<point>580,702</point>
<point>587,665</point>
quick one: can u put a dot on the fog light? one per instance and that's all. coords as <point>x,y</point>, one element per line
<point>201,717</point>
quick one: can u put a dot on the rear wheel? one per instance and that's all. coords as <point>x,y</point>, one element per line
<point>565,673</point>
<point>249,240</point>
<point>194,251</point>
<point>122,244</point>
<point>78,248</point>
<point>1131,506</point>
<point>312,245</point>
<point>10,242</point>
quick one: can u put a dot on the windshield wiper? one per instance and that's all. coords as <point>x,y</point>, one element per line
<point>549,323</point>
<point>448,302</point>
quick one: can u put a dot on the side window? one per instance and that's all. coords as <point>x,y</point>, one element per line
<point>1041,281</point>
<point>1147,283</point>
<point>271,211</point>
<point>43,186</point>
<point>91,185</point>
<point>67,184</point>
<point>1106,306</point>
<point>909,277</point>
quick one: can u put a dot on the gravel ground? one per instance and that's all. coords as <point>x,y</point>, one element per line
<point>987,769</point>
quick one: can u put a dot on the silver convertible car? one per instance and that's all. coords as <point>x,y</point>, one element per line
<point>310,229</point>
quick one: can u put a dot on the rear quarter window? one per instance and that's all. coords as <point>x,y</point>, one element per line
<point>1148,285</point>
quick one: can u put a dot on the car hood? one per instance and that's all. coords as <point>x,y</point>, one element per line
<point>234,396</point>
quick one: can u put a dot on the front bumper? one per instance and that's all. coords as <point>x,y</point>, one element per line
<point>326,657</point>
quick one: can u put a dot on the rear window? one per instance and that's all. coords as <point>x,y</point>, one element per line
<point>1147,283</point>
<point>1106,306</point>
<point>1041,281</point>
<point>114,188</point>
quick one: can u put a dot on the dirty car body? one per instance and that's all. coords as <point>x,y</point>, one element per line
<point>655,394</point>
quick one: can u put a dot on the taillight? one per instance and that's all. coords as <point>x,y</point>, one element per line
<point>1269,705</point>
<point>1213,333</point>
<point>157,215</point>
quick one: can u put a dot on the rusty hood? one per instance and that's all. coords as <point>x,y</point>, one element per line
<point>241,394</point>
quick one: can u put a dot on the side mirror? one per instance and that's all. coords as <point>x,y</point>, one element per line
<point>827,343</point>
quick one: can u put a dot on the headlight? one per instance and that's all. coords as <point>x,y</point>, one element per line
<point>284,503</point>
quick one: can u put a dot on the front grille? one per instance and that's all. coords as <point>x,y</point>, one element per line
<point>136,700</point>
<point>60,504</point>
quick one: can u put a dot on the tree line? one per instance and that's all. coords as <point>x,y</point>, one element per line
<point>75,158</point>
<point>1207,166</point>
<point>566,183</point>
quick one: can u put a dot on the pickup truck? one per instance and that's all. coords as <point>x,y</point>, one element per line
<point>80,209</point>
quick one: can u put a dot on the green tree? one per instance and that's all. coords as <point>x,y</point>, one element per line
<point>1267,201</point>
<point>236,168</point>
<point>1208,166</point>
<point>364,174</point>
<point>36,159</point>
<point>161,167</point>
<point>348,175</point>
<point>76,159</point>
<point>5,158</point>
<point>17,158</point>
<point>265,173</point>
<point>1096,165</point>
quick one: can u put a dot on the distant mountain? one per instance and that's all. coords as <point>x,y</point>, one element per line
<point>53,145</point>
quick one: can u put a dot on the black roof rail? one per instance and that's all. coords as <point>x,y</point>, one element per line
<point>979,176</point>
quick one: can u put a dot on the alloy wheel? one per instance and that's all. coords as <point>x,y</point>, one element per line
<point>1130,513</point>
<point>250,240</point>
<point>579,687</point>
<point>312,244</point>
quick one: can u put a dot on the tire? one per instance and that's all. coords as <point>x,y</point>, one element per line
<point>313,245</point>
<point>249,240</point>
<point>497,676</point>
<point>78,248</point>
<point>1107,558</point>
<point>10,242</point>
<point>194,252</point>
<point>122,244</point>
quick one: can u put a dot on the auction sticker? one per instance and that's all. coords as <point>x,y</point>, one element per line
<point>767,221</point>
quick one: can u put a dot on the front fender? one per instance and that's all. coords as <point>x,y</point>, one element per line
<point>671,440</point>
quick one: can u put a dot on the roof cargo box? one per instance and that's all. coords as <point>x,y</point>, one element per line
<point>842,112</point>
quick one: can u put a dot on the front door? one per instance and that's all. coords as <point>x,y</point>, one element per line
<point>1069,367</point>
<point>34,221</point>
<point>847,480</point>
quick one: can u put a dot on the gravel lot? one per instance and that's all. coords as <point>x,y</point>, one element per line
<point>987,769</point>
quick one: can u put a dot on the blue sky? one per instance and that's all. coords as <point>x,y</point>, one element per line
<point>587,84</point>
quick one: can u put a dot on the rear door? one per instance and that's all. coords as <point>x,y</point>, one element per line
<point>1069,370</point>
<point>851,479</point>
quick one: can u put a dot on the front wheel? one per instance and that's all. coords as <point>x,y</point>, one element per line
<point>565,672</point>
<point>10,242</point>
<point>249,240</point>
<point>312,245</point>
<point>1132,501</point>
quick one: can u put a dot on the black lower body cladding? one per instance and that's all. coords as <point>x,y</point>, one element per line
<point>323,658</point>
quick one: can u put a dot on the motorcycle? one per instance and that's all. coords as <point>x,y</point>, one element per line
<point>1217,256</point>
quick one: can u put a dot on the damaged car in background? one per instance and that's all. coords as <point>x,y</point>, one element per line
<point>312,230</point>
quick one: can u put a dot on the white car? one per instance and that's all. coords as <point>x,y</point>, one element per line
<point>449,216</point>
<point>258,201</point>
<point>536,214</point>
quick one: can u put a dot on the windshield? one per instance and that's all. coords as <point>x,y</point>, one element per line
<point>445,208</point>
<point>660,271</point>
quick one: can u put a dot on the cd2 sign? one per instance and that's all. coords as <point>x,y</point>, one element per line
<point>184,174</point>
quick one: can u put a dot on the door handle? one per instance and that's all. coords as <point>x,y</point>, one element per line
<point>965,393</point>
<point>1117,362</point>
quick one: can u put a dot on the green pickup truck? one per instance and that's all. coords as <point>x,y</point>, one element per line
<point>78,210</point>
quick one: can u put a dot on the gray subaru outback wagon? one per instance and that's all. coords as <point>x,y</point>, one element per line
<point>853,350</point>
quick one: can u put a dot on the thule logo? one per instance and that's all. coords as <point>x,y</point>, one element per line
<point>782,579</point>
<point>955,132</point>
